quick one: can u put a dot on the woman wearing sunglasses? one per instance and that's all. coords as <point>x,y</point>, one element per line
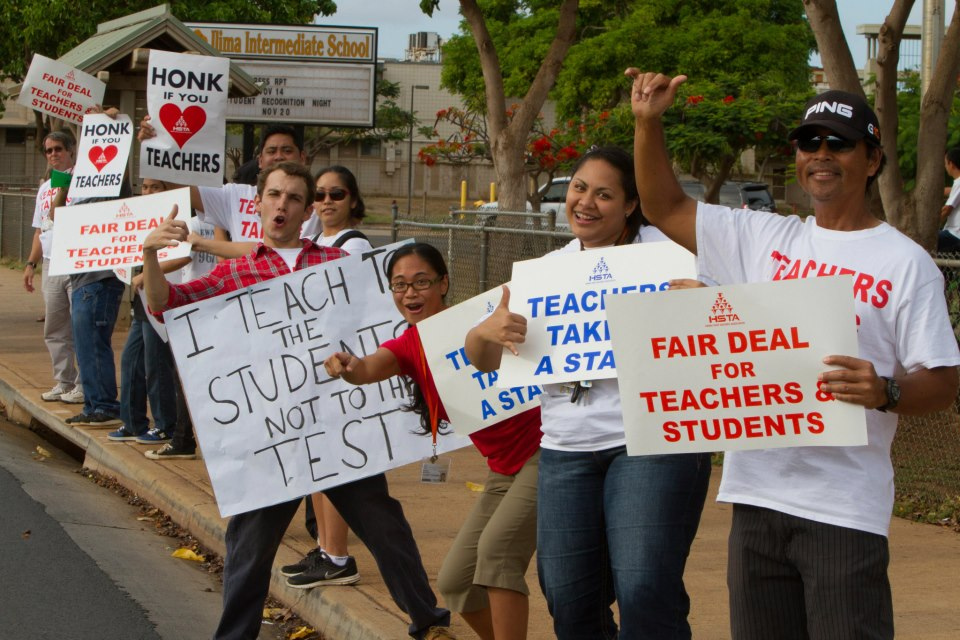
<point>337,211</point>
<point>482,576</point>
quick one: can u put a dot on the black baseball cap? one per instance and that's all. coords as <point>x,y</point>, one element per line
<point>843,113</point>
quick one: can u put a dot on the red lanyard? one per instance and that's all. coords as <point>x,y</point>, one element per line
<point>433,399</point>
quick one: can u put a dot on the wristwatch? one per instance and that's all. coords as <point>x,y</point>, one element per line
<point>31,263</point>
<point>893,394</point>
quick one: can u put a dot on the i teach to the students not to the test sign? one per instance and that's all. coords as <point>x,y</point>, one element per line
<point>735,367</point>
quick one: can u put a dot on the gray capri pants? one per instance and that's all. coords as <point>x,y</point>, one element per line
<point>495,543</point>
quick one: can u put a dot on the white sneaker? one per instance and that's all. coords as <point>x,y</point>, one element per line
<point>73,397</point>
<point>54,394</point>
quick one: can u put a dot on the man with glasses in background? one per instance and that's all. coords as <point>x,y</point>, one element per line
<point>58,148</point>
<point>808,549</point>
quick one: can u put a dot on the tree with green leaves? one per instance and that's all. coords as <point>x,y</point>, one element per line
<point>916,211</point>
<point>53,27</point>
<point>486,21</point>
<point>747,59</point>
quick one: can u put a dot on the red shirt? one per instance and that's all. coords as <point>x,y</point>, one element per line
<point>506,445</point>
<point>262,264</point>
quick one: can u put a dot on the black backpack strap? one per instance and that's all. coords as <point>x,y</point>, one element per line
<point>349,235</point>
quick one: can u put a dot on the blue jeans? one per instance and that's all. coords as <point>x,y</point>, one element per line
<point>617,527</point>
<point>94,315</point>
<point>146,372</point>
<point>947,242</point>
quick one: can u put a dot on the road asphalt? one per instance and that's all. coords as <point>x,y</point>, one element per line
<point>925,559</point>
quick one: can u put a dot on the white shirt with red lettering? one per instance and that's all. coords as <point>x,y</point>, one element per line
<point>41,216</point>
<point>903,327</point>
<point>232,208</point>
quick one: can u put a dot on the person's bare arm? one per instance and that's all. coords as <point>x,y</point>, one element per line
<point>170,233</point>
<point>222,248</point>
<point>379,365</point>
<point>664,202</point>
<point>36,255</point>
<point>485,342</point>
<point>921,391</point>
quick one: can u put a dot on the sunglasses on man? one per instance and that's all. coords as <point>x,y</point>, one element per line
<point>835,144</point>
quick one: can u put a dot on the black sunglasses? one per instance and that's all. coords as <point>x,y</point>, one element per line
<point>335,194</point>
<point>834,144</point>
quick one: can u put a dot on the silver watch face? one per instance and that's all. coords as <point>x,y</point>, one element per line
<point>893,393</point>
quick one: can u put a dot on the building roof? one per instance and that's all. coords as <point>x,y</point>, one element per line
<point>154,28</point>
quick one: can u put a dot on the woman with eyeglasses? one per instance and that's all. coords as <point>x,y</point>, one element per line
<point>338,209</point>
<point>611,527</point>
<point>482,577</point>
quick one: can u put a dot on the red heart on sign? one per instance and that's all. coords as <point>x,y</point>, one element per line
<point>101,157</point>
<point>182,125</point>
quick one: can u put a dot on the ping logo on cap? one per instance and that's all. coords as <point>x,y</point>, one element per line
<point>838,108</point>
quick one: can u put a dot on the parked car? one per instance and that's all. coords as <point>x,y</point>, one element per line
<point>553,197</point>
<point>738,195</point>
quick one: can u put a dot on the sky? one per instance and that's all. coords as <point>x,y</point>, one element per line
<point>397,19</point>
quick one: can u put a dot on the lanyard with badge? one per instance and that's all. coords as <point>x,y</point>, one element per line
<point>435,469</point>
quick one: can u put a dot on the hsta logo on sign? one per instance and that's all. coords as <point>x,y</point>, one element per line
<point>102,156</point>
<point>722,312</point>
<point>182,125</point>
<point>601,273</point>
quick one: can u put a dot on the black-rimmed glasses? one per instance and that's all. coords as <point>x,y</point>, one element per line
<point>418,285</point>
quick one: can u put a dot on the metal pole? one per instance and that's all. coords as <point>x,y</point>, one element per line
<point>413,90</point>
<point>931,39</point>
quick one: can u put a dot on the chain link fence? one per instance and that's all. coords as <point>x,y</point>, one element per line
<point>16,223</point>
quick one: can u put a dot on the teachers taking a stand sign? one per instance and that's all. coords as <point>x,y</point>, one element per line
<point>735,367</point>
<point>471,397</point>
<point>272,424</point>
<point>564,297</point>
<point>187,101</point>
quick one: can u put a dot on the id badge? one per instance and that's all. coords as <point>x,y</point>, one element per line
<point>435,470</point>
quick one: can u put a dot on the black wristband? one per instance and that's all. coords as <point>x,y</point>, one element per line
<point>31,263</point>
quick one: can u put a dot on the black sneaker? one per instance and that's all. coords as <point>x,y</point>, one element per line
<point>167,452</point>
<point>312,558</point>
<point>325,572</point>
<point>97,419</point>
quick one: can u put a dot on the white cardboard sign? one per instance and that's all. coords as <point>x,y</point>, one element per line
<point>59,90</point>
<point>735,367</point>
<point>101,156</point>
<point>272,425</point>
<point>472,398</point>
<point>109,234</point>
<point>187,102</point>
<point>563,296</point>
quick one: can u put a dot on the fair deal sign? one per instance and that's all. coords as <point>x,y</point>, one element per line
<point>735,367</point>
<point>101,156</point>
<point>564,297</point>
<point>59,90</point>
<point>471,397</point>
<point>110,234</point>
<point>187,102</point>
<point>273,426</point>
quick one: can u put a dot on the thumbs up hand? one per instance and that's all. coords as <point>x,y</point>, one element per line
<point>504,327</point>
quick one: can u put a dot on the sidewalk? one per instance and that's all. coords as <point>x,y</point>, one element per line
<point>925,560</point>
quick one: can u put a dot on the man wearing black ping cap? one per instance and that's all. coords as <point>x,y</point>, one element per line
<point>808,549</point>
